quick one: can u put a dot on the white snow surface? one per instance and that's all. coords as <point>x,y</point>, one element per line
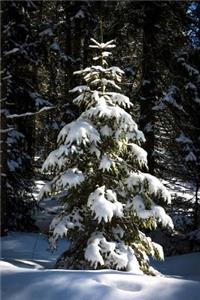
<point>27,275</point>
<point>103,203</point>
<point>24,249</point>
<point>79,131</point>
<point>80,89</point>
<point>156,211</point>
<point>139,153</point>
<point>106,131</point>
<point>98,45</point>
<point>120,99</point>
<point>118,254</point>
<point>72,177</point>
<point>106,163</point>
<point>54,160</point>
<point>106,111</point>
<point>155,186</point>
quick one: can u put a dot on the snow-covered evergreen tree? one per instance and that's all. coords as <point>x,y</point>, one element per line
<point>19,53</point>
<point>108,202</point>
<point>182,101</point>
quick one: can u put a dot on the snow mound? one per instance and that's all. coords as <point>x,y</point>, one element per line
<point>23,284</point>
<point>23,278</point>
<point>30,247</point>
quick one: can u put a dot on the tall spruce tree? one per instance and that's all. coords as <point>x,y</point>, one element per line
<point>108,202</point>
<point>19,59</point>
<point>182,100</point>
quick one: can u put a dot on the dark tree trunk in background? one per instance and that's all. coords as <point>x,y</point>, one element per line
<point>197,207</point>
<point>148,90</point>
<point>3,172</point>
<point>68,46</point>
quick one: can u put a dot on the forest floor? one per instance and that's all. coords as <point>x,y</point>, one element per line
<point>27,274</point>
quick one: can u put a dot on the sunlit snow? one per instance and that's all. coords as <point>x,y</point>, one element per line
<point>24,257</point>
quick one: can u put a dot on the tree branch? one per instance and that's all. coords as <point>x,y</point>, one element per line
<point>28,114</point>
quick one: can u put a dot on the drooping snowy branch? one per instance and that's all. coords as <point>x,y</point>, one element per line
<point>29,114</point>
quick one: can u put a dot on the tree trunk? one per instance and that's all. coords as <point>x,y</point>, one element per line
<point>148,86</point>
<point>3,170</point>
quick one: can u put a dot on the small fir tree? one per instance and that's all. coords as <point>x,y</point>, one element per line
<point>108,202</point>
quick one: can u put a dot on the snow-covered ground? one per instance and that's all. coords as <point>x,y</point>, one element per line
<point>23,248</point>
<point>27,274</point>
<point>48,208</point>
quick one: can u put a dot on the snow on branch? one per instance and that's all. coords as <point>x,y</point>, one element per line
<point>97,45</point>
<point>6,130</point>
<point>28,114</point>
<point>149,182</point>
<point>79,131</point>
<point>99,250</point>
<point>103,203</point>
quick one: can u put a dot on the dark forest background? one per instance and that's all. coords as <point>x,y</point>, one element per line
<point>44,42</point>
